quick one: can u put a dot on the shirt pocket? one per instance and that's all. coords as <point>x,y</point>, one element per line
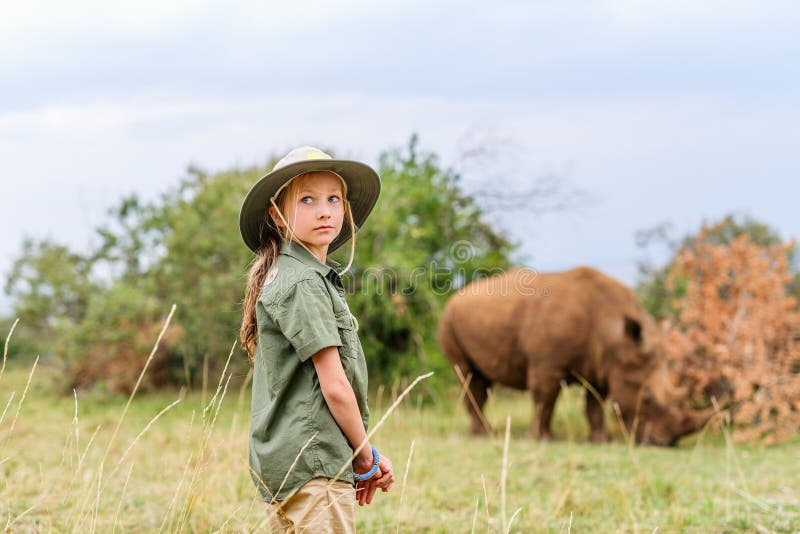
<point>347,351</point>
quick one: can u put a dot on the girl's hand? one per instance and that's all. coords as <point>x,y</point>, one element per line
<point>384,478</point>
<point>365,490</point>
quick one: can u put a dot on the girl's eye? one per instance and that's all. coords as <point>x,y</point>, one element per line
<point>306,200</point>
<point>333,198</point>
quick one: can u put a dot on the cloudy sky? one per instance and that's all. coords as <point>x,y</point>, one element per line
<point>662,111</point>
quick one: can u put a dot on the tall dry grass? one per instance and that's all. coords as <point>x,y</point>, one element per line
<point>177,461</point>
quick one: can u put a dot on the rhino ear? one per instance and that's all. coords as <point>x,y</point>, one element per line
<point>633,329</point>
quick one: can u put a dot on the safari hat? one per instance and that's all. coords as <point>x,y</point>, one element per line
<point>363,188</point>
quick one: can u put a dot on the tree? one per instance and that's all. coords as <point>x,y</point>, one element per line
<point>129,241</point>
<point>50,287</point>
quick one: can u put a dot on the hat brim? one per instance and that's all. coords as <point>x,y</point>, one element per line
<point>363,189</point>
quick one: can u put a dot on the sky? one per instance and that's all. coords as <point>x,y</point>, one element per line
<point>679,111</point>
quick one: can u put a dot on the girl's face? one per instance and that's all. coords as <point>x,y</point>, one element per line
<point>314,210</point>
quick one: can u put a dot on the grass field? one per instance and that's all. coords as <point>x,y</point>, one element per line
<point>63,468</point>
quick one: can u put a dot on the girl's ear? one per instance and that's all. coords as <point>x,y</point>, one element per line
<point>274,218</point>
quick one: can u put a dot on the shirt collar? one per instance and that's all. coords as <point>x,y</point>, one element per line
<point>300,253</point>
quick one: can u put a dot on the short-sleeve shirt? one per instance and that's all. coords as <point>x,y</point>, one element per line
<point>300,311</point>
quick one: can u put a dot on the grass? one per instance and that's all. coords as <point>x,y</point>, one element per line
<point>178,462</point>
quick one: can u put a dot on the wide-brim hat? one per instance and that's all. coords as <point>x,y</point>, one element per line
<point>363,188</point>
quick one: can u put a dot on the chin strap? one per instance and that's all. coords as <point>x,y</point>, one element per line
<point>352,240</point>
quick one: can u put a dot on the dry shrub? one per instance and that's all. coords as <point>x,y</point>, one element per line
<point>738,332</point>
<point>117,365</point>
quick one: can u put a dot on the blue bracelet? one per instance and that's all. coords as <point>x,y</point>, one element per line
<point>376,458</point>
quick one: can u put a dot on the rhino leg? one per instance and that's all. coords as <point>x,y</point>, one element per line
<point>544,400</point>
<point>478,384</point>
<point>594,413</point>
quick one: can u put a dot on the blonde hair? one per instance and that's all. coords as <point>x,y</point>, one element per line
<point>268,253</point>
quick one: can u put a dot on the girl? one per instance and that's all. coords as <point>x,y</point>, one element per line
<point>308,431</point>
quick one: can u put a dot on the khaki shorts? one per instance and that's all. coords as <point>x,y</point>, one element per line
<point>318,506</point>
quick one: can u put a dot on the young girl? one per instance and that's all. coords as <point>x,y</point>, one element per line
<point>308,431</point>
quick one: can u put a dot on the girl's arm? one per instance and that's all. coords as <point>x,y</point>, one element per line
<point>341,400</point>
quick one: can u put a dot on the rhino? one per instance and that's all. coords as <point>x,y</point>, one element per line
<point>536,331</point>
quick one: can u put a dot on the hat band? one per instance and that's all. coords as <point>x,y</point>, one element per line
<point>287,182</point>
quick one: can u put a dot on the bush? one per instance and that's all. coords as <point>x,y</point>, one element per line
<point>737,330</point>
<point>113,342</point>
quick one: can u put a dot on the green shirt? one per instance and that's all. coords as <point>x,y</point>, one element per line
<point>300,311</point>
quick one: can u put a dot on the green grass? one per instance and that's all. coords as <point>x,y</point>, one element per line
<point>189,471</point>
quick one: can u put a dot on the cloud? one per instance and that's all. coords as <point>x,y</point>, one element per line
<point>97,50</point>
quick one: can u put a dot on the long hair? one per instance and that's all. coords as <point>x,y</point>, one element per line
<point>266,255</point>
